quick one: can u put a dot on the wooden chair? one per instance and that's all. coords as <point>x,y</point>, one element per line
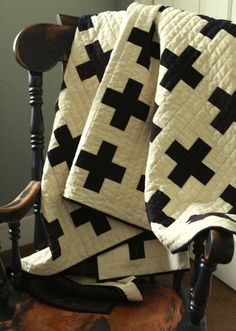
<point>210,248</point>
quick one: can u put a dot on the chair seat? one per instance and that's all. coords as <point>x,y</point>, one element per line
<point>164,310</point>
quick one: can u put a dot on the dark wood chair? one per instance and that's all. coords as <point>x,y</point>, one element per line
<point>210,248</point>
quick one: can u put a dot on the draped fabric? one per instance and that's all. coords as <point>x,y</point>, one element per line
<point>143,143</point>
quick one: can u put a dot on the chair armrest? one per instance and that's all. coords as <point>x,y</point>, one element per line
<point>219,247</point>
<point>17,208</point>
<point>39,47</point>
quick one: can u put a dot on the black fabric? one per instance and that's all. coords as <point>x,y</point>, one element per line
<point>97,219</point>
<point>189,162</point>
<point>154,209</point>
<point>199,217</point>
<point>88,268</point>
<point>213,26</point>
<point>180,68</point>
<point>226,103</point>
<point>97,63</point>
<point>53,232</point>
<point>137,245</point>
<point>162,8</point>
<point>126,104</point>
<point>63,86</point>
<point>155,130</point>
<point>85,22</point>
<point>65,152</point>
<point>100,166</point>
<point>59,291</point>
<point>229,195</point>
<point>149,48</point>
<point>141,184</point>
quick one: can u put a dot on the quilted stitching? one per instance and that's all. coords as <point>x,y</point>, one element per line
<point>190,162</point>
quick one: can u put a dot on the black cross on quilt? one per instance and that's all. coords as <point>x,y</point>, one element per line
<point>213,26</point>
<point>226,104</point>
<point>126,104</point>
<point>180,68</point>
<point>65,152</point>
<point>149,48</point>
<point>97,219</point>
<point>53,232</point>
<point>189,162</point>
<point>97,62</point>
<point>100,166</point>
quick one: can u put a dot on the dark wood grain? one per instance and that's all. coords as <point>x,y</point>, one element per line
<point>39,47</point>
<point>16,209</point>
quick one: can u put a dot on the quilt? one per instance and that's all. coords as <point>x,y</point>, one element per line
<point>142,155</point>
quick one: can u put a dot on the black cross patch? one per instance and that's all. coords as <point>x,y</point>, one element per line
<point>213,26</point>
<point>57,106</point>
<point>85,22</point>
<point>63,86</point>
<point>155,129</point>
<point>200,217</point>
<point>229,195</point>
<point>126,104</point>
<point>65,152</point>
<point>97,63</point>
<point>97,219</point>
<point>162,8</point>
<point>100,166</point>
<point>154,209</point>
<point>137,245</point>
<point>226,103</point>
<point>180,68</point>
<point>141,184</point>
<point>53,232</point>
<point>149,47</point>
<point>189,162</point>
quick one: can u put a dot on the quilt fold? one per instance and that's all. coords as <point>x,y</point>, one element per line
<point>142,156</point>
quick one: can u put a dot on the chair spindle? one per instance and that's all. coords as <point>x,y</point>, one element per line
<point>37,145</point>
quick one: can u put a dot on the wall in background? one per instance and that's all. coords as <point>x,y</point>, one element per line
<point>214,8</point>
<point>14,110</point>
<point>123,4</point>
<point>15,151</point>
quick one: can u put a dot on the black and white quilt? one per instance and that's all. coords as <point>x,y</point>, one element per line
<point>144,139</point>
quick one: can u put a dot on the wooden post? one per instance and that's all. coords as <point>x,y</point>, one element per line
<point>6,311</point>
<point>218,248</point>
<point>37,145</point>
<point>14,232</point>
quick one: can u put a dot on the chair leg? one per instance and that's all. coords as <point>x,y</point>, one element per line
<point>14,232</point>
<point>201,291</point>
<point>219,247</point>
<point>198,250</point>
<point>6,311</point>
<point>177,281</point>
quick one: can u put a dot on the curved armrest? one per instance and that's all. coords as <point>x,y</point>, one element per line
<point>17,208</point>
<point>219,247</point>
<point>39,47</point>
